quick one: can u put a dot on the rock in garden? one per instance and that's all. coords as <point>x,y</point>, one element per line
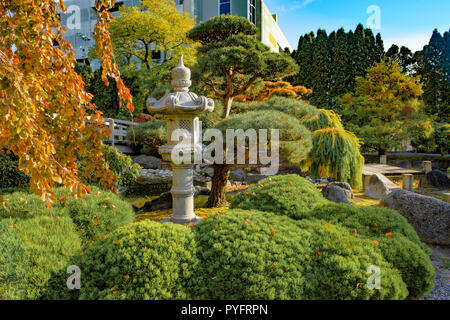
<point>379,186</point>
<point>254,178</point>
<point>429,216</point>
<point>438,179</point>
<point>202,191</point>
<point>237,175</point>
<point>148,162</point>
<point>334,192</point>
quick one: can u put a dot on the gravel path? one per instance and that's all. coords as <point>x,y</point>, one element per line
<point>441,290</point>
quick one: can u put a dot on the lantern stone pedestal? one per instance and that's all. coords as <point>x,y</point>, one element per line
<point>182,108</point>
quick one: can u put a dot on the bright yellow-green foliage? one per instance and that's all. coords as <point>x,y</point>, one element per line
<point>154,26</point>
<point>289,195</point>
<point>142,34</point>
<point>385,108</point>
<point>335,153</point>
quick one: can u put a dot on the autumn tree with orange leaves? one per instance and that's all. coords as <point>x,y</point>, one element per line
<point>46,117</point>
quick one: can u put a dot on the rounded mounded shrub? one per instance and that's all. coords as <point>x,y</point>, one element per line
<point>397,240</point>
<point>367,221</point>
<point>13,264</point>
<point>289,195</point>
<point>255,255</point>
<point>143,261</point>
<point>95,214</point>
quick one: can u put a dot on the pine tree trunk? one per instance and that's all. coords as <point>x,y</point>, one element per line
<point>219,182</point>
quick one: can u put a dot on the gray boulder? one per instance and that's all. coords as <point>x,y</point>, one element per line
<point>237,175</point>
<point>148,162</point>
<point>338,192</point>
<point>379,186</point>
<point>429,216</point>
<point>438,179</point>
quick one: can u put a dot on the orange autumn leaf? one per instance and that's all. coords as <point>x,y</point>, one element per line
<point>96,223</point>
<point>273,232</point>
<point>389,234</point>
<point>126,276</point>
<point>317,252</point>
<point>248,221</point>
<point>220,212</point>
<point>375,242</point>
<point>277,182</point>
<point>253,194</point>
<point>112,207</point>
<point>290,181</point>
<point>261,186</point>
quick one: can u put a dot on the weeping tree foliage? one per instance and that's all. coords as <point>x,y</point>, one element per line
<point>335,153</point>
<point>324,119</point>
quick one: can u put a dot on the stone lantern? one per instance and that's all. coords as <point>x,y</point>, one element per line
<point>182,108</point>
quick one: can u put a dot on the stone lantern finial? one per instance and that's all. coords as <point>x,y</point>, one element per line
<point>181,77</point>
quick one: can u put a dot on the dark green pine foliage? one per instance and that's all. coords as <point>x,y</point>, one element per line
<point>393,51</point>
<point>339,79</point>
<point>329,65</point>
<point>358,54</point>
<point>379,44</point>
<point>320,67</point>
<point>304,56</point>
<point>434,69</point>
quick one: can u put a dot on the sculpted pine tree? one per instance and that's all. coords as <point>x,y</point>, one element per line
<point>46,117</point>
<point>231,59</point>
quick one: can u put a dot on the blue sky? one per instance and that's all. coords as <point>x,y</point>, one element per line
<point>403,22</point>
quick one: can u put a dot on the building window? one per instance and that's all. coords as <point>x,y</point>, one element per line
<point>224,6</point>
<point>252,11</point>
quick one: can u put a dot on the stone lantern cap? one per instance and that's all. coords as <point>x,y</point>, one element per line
<point>181,100</point>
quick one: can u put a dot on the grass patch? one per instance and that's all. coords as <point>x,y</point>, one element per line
<point>160,215</point>
<point>361,200</point>
<point>432,192</point>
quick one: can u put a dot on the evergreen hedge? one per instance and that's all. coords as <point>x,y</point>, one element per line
<point>289,195</point>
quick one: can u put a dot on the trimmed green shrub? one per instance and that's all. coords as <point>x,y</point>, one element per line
<point>13,264</point>
<point>289,195</point>
<point>368,221</point>
<point>48,242</point>
<point>398,241</point>
<point>253,255</point>
<point>413,263</point>
<point>95,214</point>
<point>145,261</point>
<point>10,175</point>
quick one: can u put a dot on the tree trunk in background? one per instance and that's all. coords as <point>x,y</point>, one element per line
<point>227,103</point>
<point>219,182</point>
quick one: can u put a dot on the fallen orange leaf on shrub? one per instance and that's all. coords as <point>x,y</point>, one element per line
<point>112,207</point>
<point>261,186</point>
<point>126,276</point>
<point>317,252</point>
<point>290,181</point>
<point>96,223</point>
<point>375,242</point>
<point>389,234</point>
